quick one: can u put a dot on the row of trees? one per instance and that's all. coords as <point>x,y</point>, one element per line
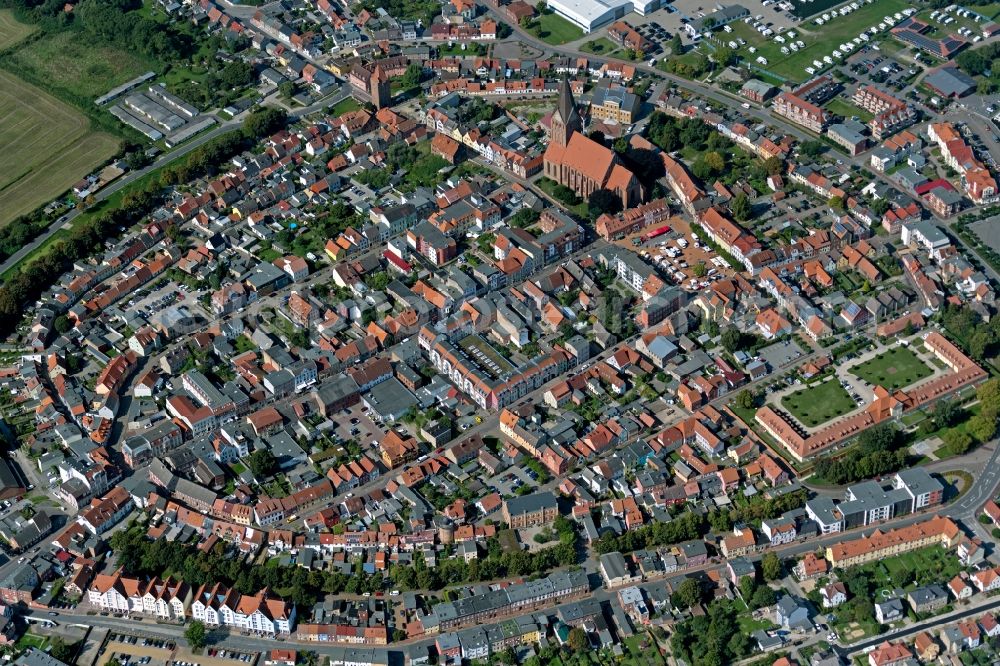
<point>90,232</point>
<point>756,510</point>
<point>139,556</point>
<point>685,527</point>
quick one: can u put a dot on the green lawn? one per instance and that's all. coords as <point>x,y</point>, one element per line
<point>843,107</point>
<point>599,46</point>
<point>893,369</point>
<point>555,30</point>
<point>818,404</point>
<point>344,106</point>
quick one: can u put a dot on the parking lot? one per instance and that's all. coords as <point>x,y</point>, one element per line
<point>780,355</point>
<point>354,423</point>
<point>677,254</point>
<point>508,481</point>
<point>149,303</point>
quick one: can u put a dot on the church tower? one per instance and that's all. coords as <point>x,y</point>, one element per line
<point>565,119</point>
<point>380,89</point>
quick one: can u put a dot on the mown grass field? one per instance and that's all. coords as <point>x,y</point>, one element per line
<point>893,369</point>
<point>48,144</point>
<point>74,69</point>
<point>11,30</point>
<point>554,29</point>
<point>819,403</point>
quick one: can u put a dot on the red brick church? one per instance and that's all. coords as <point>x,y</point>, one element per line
<point>580,163</point>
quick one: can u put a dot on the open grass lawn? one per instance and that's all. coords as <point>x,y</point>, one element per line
<point>12,31</point>
<point>554,29</point>
<point>344,106</point>
<point>599,46</point>
<point>73,69</point>
<point>893,369</point>
<point>818,404</point>
<point>845,108</point>
<point>819,40</point>
<point>48,145</point>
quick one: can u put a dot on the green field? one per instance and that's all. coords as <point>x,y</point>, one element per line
<point>48,144</point>
<point>893,369</point>
<point>599,46</point>
<point>818,404</point>
<point>11,30</point>
<point>845,108</point>
<point>344,106</point>
<point>819,40</point>
<point>554,29</point>
<point>73,69</point>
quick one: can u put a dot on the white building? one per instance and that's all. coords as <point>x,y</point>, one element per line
<point>163,599</point>
<point>592,14</point>
<point>261,613</point>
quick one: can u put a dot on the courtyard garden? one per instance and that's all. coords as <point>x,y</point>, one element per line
<point>819,403</point>
<point>893,369</point>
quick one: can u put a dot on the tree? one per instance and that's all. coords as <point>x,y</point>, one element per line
<point>715,162</point>
<point>61,650</point>
<point>836,202</point>
<point>774,166</point>
<point>763,596</point>
<point>236,74</point>
<point>596,135</point>
<point>524,218</point>
<point>378,281</point>
<point>62,324</point>
<point>988,394</point>
<point>195,635</point>
<point>411,77</point>
<point>578,641</point>
<point>700,269</point>
<point>603,201</point>
<point>812,148</point>
<point>264,121</point>
<point>946,413</point>
<point>747,587</point>
<point>983,425</point>
<point>732,339</point>
<point>880,206</point>
<point>688,594</point>
<point>770,566</point>
<point>508,656</point>
<point>646,164</point>
<point>287,89</point>
<point>740,205</point>
<point>262,463</point>
<point>620,145</point>
<point>725,56</point>
<point>882,437</point>
<point>746,400</point>
<point>958,442</point>
<point>676,45</point>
